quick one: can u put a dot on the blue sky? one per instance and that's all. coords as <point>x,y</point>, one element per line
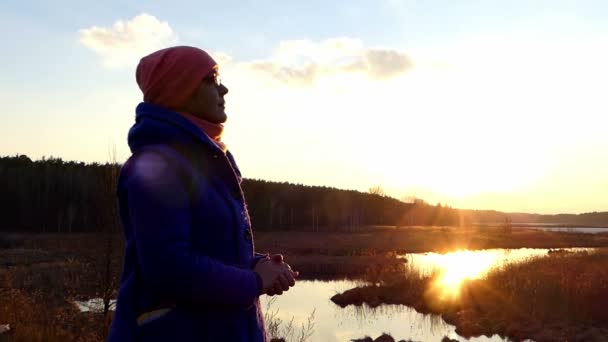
<point>443,82</point>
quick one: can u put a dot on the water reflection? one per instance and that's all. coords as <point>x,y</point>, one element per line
<point>333,323</point>
<point>402,320</point>
<point>455,267</point>
<point>459,266</point>
<point>94,305</point>
<point>586,230</point>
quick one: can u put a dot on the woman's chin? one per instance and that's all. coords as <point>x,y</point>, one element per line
<point>222,118</point>
<point>216,118</point>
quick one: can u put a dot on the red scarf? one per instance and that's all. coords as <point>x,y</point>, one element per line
<point>212,130</point>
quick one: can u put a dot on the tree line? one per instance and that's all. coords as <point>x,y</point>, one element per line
<point>52,195</point>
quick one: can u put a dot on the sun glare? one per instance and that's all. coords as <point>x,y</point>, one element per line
<point>458,266</point>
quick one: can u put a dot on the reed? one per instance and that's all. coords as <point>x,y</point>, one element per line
<point>558,297</point>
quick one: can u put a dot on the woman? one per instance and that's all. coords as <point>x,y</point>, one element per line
<point>190,271</point>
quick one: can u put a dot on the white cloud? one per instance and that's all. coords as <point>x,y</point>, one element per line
<point>304,61</point>
<point>126,42</point>
<point>223,59</point>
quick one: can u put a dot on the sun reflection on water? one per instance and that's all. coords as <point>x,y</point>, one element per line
<point>456,267</point>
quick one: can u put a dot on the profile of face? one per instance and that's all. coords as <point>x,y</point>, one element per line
<point>207,102</point>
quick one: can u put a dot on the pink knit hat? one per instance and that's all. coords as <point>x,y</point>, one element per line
<point>168,77</point>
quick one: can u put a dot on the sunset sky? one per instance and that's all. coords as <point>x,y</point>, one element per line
<point>476,104</point>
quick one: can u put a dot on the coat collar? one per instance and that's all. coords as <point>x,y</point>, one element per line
<point>148,110</point>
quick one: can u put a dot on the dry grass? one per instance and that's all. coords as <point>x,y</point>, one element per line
<point>39,281</point>
<point>36,302</point>
<point>559,297</point>
<point>373,242</point>
<point>371,268</point>
<point>286,331</point>
<point>41,275</point>
<point>562,290</point>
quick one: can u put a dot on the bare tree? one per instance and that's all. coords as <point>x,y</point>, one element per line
<point>109,278</point>
<point>377,190</point>
<point>71,215</point>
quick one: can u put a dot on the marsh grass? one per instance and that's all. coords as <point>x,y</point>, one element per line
<point>418,240</point>
<point>561,296</point>
<point>565,288</point>
<point>564,294</point>
<point>39,282</point>
<point>287,331</point>
<point>45,316</point>
<point>369,268</point>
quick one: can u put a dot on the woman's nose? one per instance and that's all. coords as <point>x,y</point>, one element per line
<point>223,89</point>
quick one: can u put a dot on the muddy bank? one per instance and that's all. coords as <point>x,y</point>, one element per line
<point>371,268</point>
<point>418,240</point>
<point>389,338</point>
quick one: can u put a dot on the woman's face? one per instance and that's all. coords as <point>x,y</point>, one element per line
<point>207,102</point>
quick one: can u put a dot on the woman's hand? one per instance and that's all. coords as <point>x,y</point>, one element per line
<point>276,275</point>
<point>282,282</point>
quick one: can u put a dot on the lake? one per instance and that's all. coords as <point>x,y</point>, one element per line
<point>587,230</point>
<point>332,323</point>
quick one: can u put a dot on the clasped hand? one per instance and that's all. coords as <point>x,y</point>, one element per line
<point>277,276</point>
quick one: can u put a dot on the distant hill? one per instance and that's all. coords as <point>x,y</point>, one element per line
<point>593,219</point>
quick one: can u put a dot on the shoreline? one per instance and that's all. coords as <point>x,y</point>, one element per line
<point>554,306</point>
<point>61,268</point>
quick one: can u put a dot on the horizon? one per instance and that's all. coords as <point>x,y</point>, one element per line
<point>473,105</point>
<point>335,188</point>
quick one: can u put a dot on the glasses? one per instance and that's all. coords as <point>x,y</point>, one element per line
<point>213,78</point>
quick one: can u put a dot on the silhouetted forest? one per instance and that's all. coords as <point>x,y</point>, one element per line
<point>52,195</point>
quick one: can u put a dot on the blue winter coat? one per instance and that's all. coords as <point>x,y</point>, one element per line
<point>189,247</point>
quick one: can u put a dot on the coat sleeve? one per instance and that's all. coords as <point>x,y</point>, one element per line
<point>159,211</point>
<point>257,257</point>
